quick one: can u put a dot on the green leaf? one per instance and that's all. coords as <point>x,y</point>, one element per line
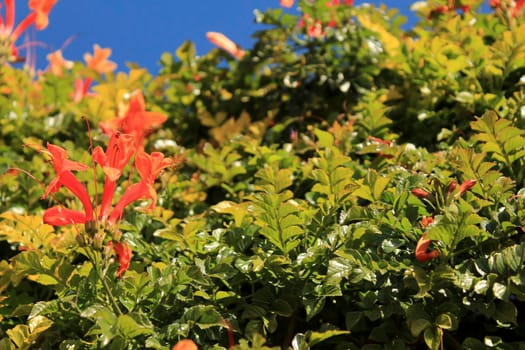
<point>446,321</point>
<point>315,338</point>
<point>325,139</point>
<point>282,308</point>
<point>133,325</point>
<point>499,290</point>
<point>506,313</point>
<point>418,326</point>
<point>433,338</point>
<point>313,305</point>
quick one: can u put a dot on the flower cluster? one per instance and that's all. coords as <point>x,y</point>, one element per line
<point>9,34</point>
<point>125,142</point>
<point>315,28</point>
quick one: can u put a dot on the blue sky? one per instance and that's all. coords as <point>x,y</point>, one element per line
<point>140,31</point>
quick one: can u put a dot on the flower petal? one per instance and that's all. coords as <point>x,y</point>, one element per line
<point>60,216</point>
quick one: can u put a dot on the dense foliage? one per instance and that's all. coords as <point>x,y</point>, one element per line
<point>343,184</point>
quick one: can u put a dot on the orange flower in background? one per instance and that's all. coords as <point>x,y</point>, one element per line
<point>287,3</point>
<point>81,89</point>
<point>99,60</point>
<point>149,167</point>
<point>136,121</point>
<point>226,44</point>
<point>316,30</point>
<point>124,255</point>
<point>42,9</point>
<point>421,250</point>
<point>185,344</point>
<point>57,63</point>
<point>117,155</point>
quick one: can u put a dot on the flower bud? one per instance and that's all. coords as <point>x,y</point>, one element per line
<point>81,240</point>
<point>467,185</point>
<point>420,193</point>
<point>98,239</point>
<point>452,186</point>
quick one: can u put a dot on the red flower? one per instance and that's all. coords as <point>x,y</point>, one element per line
<point>185,344</point>
<point>42,9</point>
<point>137,121</point>
<point>118,153</point>
<point>495,3</point>
<point>425,221</point>
<point>39,17</point>
<point>467,185</point>
<point>517,7</point>
<point>60,216</point>
<point>124,255</point>
<point>226,44</point>
<point>149,167</point>
<point>63,168</point>
<point>420,193</point>
<point>316,30</point>
<point>421,250</point>
<point>465,8</point>
<point>81,89</point>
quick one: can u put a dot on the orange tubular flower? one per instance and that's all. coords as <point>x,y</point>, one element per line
<point>118,153</point>
<point>185,344</point>
<point>10,34</point>
<point>137,121</point>
<point>287,3</point>
<point>57,63</point>
<point>81,89</point>
<point>42,9</point>
<point>149,167</point>
<point>63,168</point>
<point>226,44</point>
<point>99,60</point>
<point>59,216</point>
<point>421,250</point>
<point>124,254</point>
